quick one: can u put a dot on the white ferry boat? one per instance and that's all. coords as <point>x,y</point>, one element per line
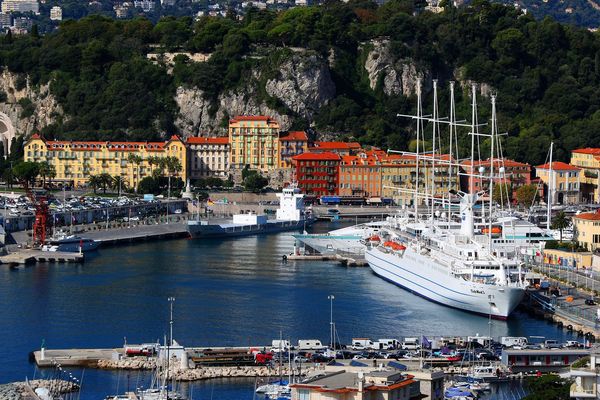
<point>290,216</point>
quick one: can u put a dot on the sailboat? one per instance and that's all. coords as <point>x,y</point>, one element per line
<point>455,268</point>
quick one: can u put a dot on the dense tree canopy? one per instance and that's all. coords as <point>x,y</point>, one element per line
<point>546,75</point>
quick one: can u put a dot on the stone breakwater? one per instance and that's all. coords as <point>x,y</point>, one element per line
<point>17,391</point>
<point>198,373</point>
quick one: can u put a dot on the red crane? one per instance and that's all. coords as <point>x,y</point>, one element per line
<point>42,223</point>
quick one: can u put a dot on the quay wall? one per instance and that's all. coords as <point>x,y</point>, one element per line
<point>18,390</point>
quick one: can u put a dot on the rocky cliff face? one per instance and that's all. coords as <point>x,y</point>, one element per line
<point>398,76</point>
<point>45,107</point>
<point>302,85</point>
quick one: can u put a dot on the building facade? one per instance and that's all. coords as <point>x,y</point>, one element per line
<point>75,161</point>
<point>563,181</point>
<point>586,230</point>
<point>588,160</point>
<point>514,173</point>
<point>291,144</point>
<point>254,141</point>
<point>209,156</point>
<point>56,13</point>
<point>20,6</point>
<point>317,173</point>
<point>342,385</point>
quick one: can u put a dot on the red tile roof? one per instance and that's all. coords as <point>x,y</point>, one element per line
<point>337,145</point>
<point>298,136</point>
<point>317,156</point>
<point>111,146</point>
<point>588,150</point>
<point>251,118</point>
<point>559,166</point>
<point>208,140</point>
<point>591,216</point>
<point>35,136</point>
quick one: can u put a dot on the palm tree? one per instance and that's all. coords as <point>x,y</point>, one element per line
<point>173,167</point>
<point>137,160</point>
<point>94,182</point>
<point>105,181</point>
<point>46,171</point>
<point>153,160</point>
<point>119,184</point>
<point>560,222</point>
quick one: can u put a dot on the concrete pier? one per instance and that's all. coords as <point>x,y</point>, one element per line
<point>29,256</point>
<point>75,357</point>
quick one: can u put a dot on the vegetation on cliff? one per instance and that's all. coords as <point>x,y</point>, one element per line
<point>546,75</point>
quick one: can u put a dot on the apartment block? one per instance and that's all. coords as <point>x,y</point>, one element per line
<point>341,148</point>
<point>588,160</point>
<point>75,161</point>
<point>513,173</point>
<point>563,181</point>
<point>291,144</point>
<point>209,157</point>
<point>317,173</point>
<point>22,6</point>
<point>586,230</point>
<point>254,141</point>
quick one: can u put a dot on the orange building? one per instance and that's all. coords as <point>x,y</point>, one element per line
<point>360,175</point>
<point>515,173</point>
<point>291,144</point>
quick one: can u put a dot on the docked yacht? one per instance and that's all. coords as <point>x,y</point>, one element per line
<point>449,267</point>
<point>345,240</point>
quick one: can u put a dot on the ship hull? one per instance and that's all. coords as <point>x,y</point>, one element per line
<point>229,230</point>
<point>421,275</point>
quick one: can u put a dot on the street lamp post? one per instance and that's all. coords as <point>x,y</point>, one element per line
<point>331,333</point>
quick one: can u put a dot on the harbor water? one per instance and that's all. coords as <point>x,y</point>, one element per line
<point>228,292</point>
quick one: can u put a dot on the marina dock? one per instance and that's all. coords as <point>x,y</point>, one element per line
<point>75,357</point>
<point>344,260</point>
<point>30,256</point>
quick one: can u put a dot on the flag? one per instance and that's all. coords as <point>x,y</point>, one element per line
<point>426,343</point>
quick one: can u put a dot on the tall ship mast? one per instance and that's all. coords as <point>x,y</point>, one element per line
<point>459,268</point>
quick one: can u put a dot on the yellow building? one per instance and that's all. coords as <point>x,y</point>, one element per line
<point>399,178</point>
<point>588,160</point>
<point>586,227</point>
<point>75,161</point>
<point>565,182</point>
<point>254,141</point>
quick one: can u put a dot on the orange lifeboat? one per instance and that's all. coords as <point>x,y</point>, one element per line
<point>375,238</point>
<point>496,230</point>
<point>395,246</point>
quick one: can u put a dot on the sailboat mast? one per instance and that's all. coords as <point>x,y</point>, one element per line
<point>419,121</point>
<point>550,189</point>
<point>473,127</point>
<point>492,167</point>
<point>433,148</point>
<point>450,150</point>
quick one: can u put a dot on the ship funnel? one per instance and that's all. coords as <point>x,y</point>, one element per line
<point>467,219</point>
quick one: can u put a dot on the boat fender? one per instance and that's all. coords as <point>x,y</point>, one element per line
<point>580,333</point>
<point>284,257</point>
<point>569,327</point>
<point>559,324</point>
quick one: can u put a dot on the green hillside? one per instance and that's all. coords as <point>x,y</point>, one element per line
<point>546,74</point>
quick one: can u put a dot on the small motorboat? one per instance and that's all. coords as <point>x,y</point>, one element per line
<point>72,244</point>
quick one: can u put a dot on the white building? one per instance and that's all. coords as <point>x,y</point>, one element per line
<point>20,6</point>
<point>145,5</point>
<point>586,377</point>
<point>56,13</point>
<point>209,156</point>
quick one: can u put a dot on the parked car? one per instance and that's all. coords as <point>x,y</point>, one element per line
<point>590,302</point>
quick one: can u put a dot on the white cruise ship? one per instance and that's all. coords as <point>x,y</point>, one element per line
<point>449,267</point>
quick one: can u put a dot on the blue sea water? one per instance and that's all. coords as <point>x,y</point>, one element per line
<point>228,292</point>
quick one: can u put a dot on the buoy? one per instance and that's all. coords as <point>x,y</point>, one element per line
<point>284,257</point>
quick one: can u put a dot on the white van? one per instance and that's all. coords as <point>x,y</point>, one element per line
<point>387,344</point>
<point>310,344</point>
<point>280,345</point>
<point>513,341</point>
<point>362,344</point>
<point>411,344</point>
<point>485,341</point>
